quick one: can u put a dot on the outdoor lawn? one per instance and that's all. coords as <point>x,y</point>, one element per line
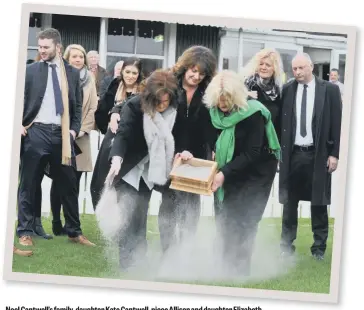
<point>61,257</point>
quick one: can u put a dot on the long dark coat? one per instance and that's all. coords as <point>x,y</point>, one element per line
<point>326,128</point>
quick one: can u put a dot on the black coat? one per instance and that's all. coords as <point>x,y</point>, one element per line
<point>129,142</point>
<point>102,164</point>
<point>326,129</point>
<point>250,146</point>
<point>193,130</point>
<point>106,103</point>
<point>36,77</point>
<point>274,107</point>
<point>104,85</point>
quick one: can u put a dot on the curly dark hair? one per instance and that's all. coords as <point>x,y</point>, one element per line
<point>199,56</point>
<point>159,83</point>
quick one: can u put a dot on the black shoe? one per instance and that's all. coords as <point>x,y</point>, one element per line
<point>39,230</point>
<point>318,256</point>
<point>58,229</point>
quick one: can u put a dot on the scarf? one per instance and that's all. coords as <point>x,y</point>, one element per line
<point>268,87</point>
<point>84,77</point>
<point>160,142</point>
<point>65,119</point>
<point>225,144</point>
<point>120,95</point>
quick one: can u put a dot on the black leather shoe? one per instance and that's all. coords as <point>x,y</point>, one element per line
<point>58,229</point>
<point>39,230</point>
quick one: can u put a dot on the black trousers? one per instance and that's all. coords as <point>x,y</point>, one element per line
<point>42,145</point>
<point>238,216</point>
<point>56,202</point>
<point>180,209</point>
<point>301,173</point>
<point>55,198</point>
<point>133,233</point>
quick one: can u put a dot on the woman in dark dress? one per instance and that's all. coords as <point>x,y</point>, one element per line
<point>246,136</point>
<point>107,116</point>
<point>141,156</point>
<point>194,136</point>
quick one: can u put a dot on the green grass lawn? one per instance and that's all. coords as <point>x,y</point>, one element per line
<point>61,257</point>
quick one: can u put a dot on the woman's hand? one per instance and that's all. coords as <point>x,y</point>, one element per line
<point>81,134</point>
<point>253,94</point>
<point>218,181</point>
<point>114,122</point>
<point>186,155</point>
<point>114,169</point>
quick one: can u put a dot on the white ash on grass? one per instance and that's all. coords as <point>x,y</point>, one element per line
<point>197,258</point>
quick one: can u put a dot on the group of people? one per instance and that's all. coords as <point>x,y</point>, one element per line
<point>248,123</point>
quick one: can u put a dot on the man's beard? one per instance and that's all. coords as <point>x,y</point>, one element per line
<point>51,56</point>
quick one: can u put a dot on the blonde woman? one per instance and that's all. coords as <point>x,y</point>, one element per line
<point>75,55</point>
<point>264,77</point>
<point>245,136</point>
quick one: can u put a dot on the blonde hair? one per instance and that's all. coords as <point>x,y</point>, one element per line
<point>229,84</point>
<point>252,67</point>
<point>67,52</point>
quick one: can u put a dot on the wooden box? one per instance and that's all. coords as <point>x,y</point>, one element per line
<point>194,176</point>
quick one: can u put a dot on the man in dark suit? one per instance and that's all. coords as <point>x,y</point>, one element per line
<point>51,122</point>
<point>310,141</point>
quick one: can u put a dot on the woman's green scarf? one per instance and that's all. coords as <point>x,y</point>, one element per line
<point>225,144</point>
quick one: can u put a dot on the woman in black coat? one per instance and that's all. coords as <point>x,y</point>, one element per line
<point>107,116</point>
<point>194,136</point>
<point>264,79</point>
<point>141,156</point>
<point>246,136</point>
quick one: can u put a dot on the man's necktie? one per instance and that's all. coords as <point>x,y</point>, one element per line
<point>303,130</point>
<point>57,91</point>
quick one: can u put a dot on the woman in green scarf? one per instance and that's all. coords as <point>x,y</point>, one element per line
<point>246,134</point>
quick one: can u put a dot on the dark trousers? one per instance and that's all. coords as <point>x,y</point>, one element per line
<point>56,203</point>
<point>133,233</point>
<point>300,186</point>
<point>238,216</point>
<point>55,198</point>
<point>42,145</point>
<point>180,209</point>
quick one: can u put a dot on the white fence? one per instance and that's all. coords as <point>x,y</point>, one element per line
<point>273,209</point>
